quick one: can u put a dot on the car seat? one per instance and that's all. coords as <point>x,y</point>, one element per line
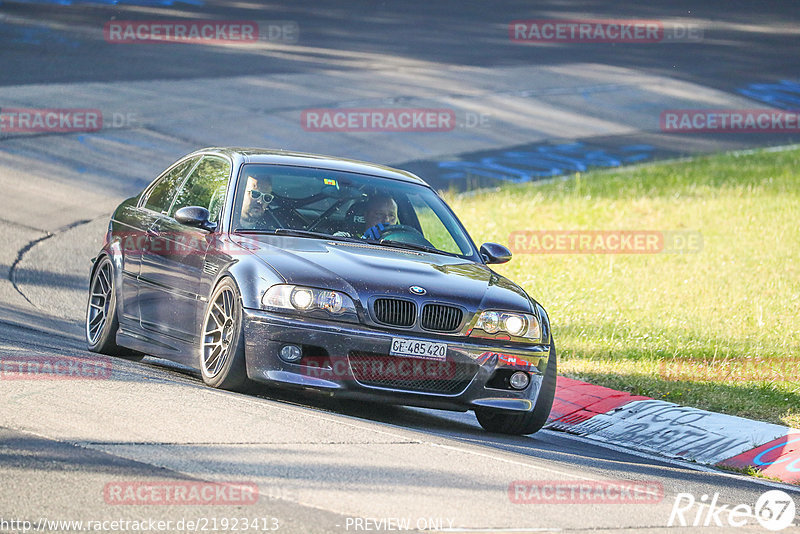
<point>356,218</point>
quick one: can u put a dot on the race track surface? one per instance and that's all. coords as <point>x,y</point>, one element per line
<point>322,465</point>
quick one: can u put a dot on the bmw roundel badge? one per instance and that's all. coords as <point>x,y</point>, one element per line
<point>417,290</point>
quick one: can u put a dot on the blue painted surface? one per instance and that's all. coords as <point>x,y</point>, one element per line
<point>88,141</point>
<point>783,95</point>
<point>112,2</point>
<point>41,157</point>
<point>543,161</point>
<point>36,35</point>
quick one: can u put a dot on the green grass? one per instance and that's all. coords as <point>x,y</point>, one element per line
<point>749,471</point>
<point>718,329</point>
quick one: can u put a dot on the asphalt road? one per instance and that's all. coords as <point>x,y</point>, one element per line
<point>321,465</point>
<point>316,462</point>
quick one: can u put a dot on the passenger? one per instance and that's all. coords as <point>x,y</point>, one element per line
<point>255,205</point>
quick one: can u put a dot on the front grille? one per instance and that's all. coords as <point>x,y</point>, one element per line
<point>395,312</point>
<point>441,318</point>
<point>411,374</point>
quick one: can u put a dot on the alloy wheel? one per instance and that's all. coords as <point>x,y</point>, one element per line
<point>99,302</point>
<point>220,332</point>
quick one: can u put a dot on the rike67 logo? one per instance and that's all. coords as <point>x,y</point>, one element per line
<point>774,510</point>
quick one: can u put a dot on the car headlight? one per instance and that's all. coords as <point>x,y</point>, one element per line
<point>311,301</point>
<point>516,325</point>
<point>301,298</point>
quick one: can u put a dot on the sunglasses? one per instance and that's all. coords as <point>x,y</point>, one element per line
<point>265,197</point>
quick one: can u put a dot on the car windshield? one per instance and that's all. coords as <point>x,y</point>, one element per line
<point>315,203</point>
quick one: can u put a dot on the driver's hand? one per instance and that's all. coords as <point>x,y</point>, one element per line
<point>374,232</point>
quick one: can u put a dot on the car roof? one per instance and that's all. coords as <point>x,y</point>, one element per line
<point>302,159</point>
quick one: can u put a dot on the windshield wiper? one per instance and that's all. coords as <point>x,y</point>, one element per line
<point>308,233</point>
<point>413,246</point>
<point>301,233</point>
<point>289,232</point>
<point>321,235</point>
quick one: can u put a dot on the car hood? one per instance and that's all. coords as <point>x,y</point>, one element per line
<point>363,270</point>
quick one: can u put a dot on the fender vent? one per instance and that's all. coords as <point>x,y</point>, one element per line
<point>210,268</point>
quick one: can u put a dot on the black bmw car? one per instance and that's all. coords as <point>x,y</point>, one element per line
<point>325,274</point>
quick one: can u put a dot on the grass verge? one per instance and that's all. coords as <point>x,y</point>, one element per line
<point>717,328</point>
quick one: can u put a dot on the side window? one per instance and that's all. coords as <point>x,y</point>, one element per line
<point>432,226</point>
<point>161,195</point>
<point>205,187</point>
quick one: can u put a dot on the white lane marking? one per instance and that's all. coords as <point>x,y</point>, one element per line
<point>679,463</point>
<point>287,406</point>
<point>279,404</point>
<point>580,476</point>
<point>531,529</point>
<point>420,440</point>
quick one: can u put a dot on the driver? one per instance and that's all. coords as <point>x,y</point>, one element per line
<point>380,212</point>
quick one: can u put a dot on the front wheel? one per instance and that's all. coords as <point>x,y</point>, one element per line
<point>222,360</point>
<point>529,422</point>
<point>102,322</point>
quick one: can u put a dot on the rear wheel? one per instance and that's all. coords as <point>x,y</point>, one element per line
<point>222,360</point>
<point>102,322</point>
<point>528,422</point>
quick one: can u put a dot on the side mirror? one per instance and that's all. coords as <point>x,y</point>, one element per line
<point>196,217</point>
<point>494,253</point>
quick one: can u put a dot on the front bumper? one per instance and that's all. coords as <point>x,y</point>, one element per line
<point>334,363</point>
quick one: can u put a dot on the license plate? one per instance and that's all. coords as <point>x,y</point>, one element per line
<point>418,349</point>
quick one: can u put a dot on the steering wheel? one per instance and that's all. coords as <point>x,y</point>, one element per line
<point>403,233</point>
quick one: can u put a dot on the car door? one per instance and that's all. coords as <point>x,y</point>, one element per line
<point>131,227</point>
<point>173,268</point>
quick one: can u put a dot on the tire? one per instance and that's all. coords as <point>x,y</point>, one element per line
<point>529,422</point>
<point>102,322</point>
<point>222,360</point>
